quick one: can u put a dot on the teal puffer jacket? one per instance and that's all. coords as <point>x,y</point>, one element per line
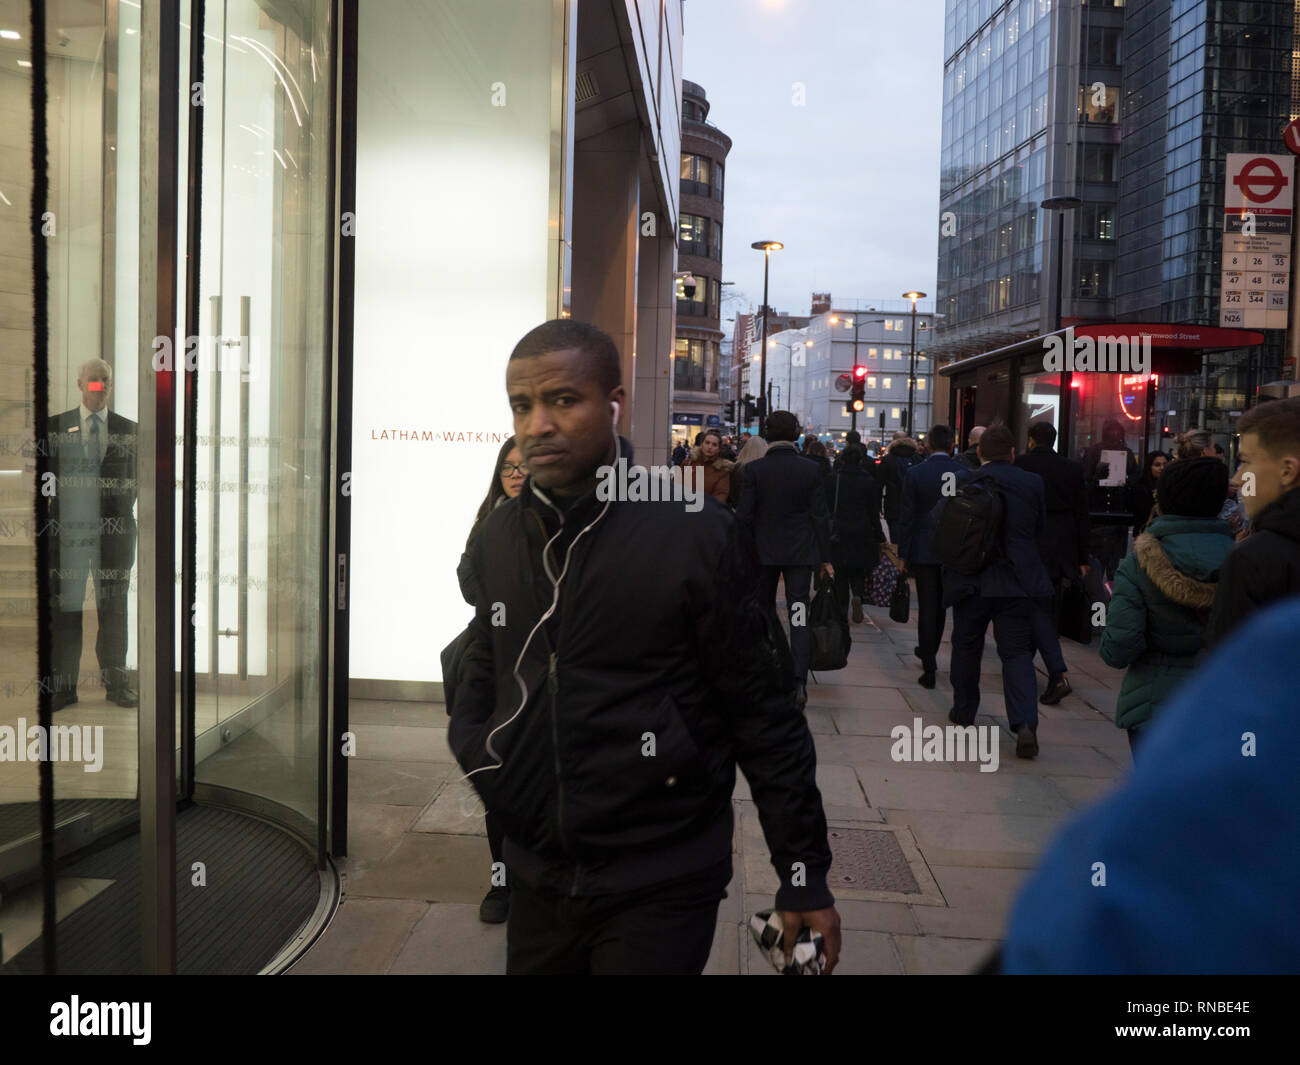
<point>1156,622</point>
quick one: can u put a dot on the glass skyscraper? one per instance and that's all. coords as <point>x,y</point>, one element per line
<point>1131,107</point>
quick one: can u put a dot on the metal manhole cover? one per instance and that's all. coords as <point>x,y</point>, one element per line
<point>869,860</point>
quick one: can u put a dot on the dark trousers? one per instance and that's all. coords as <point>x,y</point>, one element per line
<point>930,613</point>
<point>75,564</point>
<point>1013,631</point>
<point>663,930</point>
<point>495,834</point>
<point>798,582</point>
<point>849,582</point>
<point>1046,640</point>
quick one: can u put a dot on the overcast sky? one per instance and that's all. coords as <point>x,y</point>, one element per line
<point>849,181</point>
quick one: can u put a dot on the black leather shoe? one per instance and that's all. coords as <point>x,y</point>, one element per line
<point>1026,742</point>
<point>927,680</point>
<point>857,611</point>
<point>61,699</point>
<point>1056,691</point>
<point>495,907</point>
<point>952,716</point>
<point>124,696</point>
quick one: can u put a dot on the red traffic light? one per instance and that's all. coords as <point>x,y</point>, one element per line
<point>859,372</point>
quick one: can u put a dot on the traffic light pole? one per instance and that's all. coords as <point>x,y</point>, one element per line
<point>853,416</point>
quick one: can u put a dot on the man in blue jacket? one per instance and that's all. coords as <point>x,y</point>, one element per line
<point>923,487</point>
<point>1004,593</point>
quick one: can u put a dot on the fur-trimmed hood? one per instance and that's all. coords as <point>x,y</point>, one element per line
<point>1180,587</point>
<point>696,458</point>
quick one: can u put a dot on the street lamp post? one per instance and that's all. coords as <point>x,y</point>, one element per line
<point>911,370</point>
<point>766,247</point>
<point>1060,204</point>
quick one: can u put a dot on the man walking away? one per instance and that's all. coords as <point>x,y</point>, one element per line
<point>970,457</point>
<point>903,454</point>
<point>854,499</point>
<point>1063,546</point>
<point>1266,565</point>
<point>604,720</point>
<point>923,487</point>
<point>783,508</point>
<point>1004,593</point>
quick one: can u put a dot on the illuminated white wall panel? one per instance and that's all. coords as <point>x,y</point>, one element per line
<point>454,172</point>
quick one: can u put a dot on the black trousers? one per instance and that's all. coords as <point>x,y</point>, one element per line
<point>931,614</point>
<point>495,834</point>
<point>76,563</point>
<point>798,587</point>
<point>663,930</point>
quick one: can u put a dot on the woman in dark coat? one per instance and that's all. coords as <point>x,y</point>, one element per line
<point>507,482</point>
<point>853,498</point>
<point>1144,493</point>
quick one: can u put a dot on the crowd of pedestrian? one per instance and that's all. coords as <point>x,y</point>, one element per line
<point>624,659</point>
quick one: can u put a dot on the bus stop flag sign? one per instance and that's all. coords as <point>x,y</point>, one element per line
<point>1257,219</point>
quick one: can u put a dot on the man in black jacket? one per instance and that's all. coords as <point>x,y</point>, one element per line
<point>92,510</point>
<point>603,721</point>
<point>1063,545</point>
<point>782,507</point>
<point>1266,565</point>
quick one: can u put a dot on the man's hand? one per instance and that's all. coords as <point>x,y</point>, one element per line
<point>1083,570</point>
<point>828,570</point>
<point>827,922</point>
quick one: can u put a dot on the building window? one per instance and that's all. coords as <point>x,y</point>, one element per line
<point>715,241</point>
<point>893,413</point>
<point>693,234</point>
<point>871,412</point>
<point>713,296</point>
<point>888,383</point>
<point>1097,221</point>
<point>871,382</point>
<point>689,368</point>
<point>1099,103</point>
<point>1095,280</point>
<point>920,384</point>
<point>1101,48</point>
<point>1097,162</point>
<point>717,179</point>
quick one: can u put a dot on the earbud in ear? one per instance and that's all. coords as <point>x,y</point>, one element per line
<point>614,410</point>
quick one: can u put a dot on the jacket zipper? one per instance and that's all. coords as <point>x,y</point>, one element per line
<point>553,685</point>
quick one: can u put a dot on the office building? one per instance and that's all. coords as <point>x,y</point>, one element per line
<point>293,299</point>
<point>697,360</point>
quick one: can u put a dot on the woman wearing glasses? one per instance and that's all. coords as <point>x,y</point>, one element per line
<point>507,482</point>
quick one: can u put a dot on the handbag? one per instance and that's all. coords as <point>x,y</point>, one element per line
<point>881,582</point>
<point>830,629</point>
<point>900,603</point>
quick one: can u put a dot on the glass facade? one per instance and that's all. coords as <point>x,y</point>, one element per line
<point>1202,78</point>
<point>994,166</point>
<point>165,602</point>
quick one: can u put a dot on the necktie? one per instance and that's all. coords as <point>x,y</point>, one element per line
<point>96,448</point>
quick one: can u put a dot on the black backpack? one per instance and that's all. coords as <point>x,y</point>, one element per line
<point>968,534</point>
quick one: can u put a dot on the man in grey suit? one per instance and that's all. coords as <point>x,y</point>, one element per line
<point>92,511</point>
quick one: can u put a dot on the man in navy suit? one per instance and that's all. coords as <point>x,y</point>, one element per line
<point>1004,593</point>
<point>93,457</point>
<point>782,507</point>
<point>923,487</point>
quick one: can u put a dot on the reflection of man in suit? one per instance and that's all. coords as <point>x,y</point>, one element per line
<point>93,457</point>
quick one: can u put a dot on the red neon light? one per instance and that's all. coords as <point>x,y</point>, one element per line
<point>1131,380</point>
